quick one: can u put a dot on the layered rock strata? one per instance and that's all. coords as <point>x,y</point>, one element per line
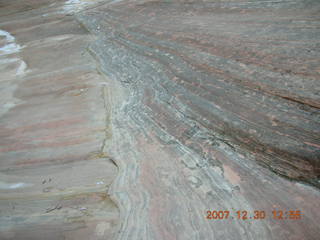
<point>54,175</point>
<point>205,105</point>
<point>215,106</point>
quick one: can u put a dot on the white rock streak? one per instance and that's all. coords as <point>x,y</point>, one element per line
<point>71,6</point>
<point>8,46</point>
<point>4,185</point>
<point>11,67</point>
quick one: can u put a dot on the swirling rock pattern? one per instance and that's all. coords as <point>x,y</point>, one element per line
<point>207,105</point>
<point>214,105</point>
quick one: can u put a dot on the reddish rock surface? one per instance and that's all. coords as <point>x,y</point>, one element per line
<point>54,174</point>
<point>205,105</point>
<point>220,111</point>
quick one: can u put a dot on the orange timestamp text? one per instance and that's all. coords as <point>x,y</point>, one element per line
<point>254,215</point>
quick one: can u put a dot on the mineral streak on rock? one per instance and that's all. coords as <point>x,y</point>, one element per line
<point>208,97</point>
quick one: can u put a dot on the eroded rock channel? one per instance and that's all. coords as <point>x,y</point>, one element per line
<point>203,106</point>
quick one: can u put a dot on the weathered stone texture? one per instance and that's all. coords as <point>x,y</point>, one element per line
<point>215,94</point>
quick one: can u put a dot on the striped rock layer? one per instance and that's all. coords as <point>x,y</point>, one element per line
<point>214,106</point>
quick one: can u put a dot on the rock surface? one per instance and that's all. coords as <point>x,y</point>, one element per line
<point>54,174</point>
<point>215,95</point>
<point>206,105</point>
